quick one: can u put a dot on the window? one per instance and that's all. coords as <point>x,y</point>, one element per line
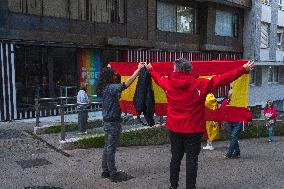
<point>107,11</point>
<point>226,24</point>
<point>273,74</point>
<point>175,18</point>
<point>281,4</point>
<point>265,2</point>
<point>25,6</point>
<point>280,33</point>
<point>37,74</point>
<point>264,41</point>
<point>253,77</point>
<point>256,76</point>
<point>185,19</point>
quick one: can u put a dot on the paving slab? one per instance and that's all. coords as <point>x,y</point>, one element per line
<point>260,167</point>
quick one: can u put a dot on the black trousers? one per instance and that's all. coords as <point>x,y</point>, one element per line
<point>189,143</point>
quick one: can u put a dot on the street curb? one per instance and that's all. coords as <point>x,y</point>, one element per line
<point>73,143</point>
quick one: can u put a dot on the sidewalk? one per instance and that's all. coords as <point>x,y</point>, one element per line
<point>56,119</point>
<point>260,167</point>
<point>54,139</point>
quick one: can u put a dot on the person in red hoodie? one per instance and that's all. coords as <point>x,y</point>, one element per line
<point>270,117</point>
<point>186,96</point>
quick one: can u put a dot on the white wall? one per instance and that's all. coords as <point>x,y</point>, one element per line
<point>280,55</point>
<point>264,54</point>
<point>259,95</point>
<point>266,14</point>
<point>280,18</point>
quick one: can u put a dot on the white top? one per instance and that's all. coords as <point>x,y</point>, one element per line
<point>82,97</point>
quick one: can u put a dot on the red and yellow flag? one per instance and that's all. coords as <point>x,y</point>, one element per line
<point>206,69</point>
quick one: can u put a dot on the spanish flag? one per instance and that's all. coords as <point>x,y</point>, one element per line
<point>204,69</point>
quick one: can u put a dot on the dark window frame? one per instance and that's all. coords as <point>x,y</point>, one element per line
<point>275,74</point>
<point>253,77</point>
<point>185,4</point>
<point>235,23</point>
<point>88,17</point>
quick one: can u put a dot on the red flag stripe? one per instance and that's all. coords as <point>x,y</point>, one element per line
<point>200,68</point>
<point>227,113</point>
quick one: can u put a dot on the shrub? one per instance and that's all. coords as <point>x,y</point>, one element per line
<point>95,141</point>
<point>159,135</point>
<point>139,137</point>
<point>73,126</point>
<point>256,130</point>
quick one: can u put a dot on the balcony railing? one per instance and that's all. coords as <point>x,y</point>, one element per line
<point>237,3</point>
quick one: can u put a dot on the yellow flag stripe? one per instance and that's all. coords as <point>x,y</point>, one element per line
<point>240,91</point>
<point>239,96</point>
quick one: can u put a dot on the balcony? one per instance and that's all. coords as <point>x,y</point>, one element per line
<point>234,3</point>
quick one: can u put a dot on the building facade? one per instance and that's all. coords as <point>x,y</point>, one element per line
<point>48,47</point>
<point>264,42</point>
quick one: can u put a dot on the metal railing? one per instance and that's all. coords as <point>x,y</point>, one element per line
<point>62,108</point>
<point>68,103</point>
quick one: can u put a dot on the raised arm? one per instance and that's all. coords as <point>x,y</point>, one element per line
<point>228,77</point>
<point>130,80</point>
<point>161,81</point>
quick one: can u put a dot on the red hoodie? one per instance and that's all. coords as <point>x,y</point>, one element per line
<point>186,97</point>
<point>271,111</point>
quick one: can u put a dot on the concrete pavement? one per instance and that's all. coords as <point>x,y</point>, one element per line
<point>260,167</point>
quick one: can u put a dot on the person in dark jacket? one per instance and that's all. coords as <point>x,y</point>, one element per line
<point>144,97</point>
<point>186,111</point>
<point>236,128</point>
<point>109,91</point>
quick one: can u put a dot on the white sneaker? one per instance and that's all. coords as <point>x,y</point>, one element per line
<point>208,147</point>
<point>83,133</point>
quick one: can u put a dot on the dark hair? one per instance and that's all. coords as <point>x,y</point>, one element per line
<point>183,65</point>
<point>266,106</point>
<point>83,86</point>
<point>107,76</point>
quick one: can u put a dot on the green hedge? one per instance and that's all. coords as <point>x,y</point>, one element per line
<point>256,130</point>
<point>73,126</point>
<point>141,137</point>
<point>159,135</point>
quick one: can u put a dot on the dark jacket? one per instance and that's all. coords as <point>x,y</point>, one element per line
<point>144,97</point>
<point>110,102</point>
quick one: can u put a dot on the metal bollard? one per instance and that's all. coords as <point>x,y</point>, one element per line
<point>37,111</point>
<point>63,135</point>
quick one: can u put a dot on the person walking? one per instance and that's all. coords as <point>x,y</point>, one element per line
<point>82,104</point>
<point>109,90</point>
<point>212,131</point>
<point>270,117</point>
<point>186,96</point>
<point>236,128</point>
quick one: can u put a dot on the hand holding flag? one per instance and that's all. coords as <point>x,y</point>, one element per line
<point>249,66</point>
